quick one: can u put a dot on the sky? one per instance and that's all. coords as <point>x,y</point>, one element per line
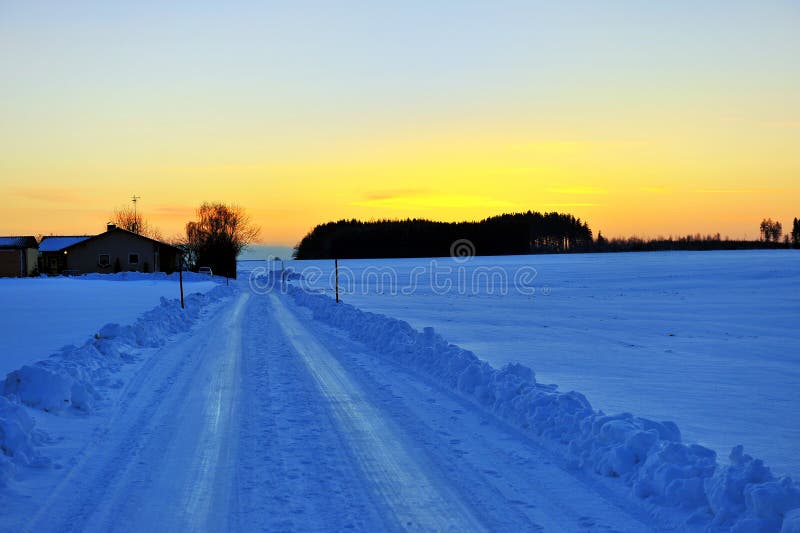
<point>640,117</point>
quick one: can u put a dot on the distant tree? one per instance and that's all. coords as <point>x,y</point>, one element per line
<point>508,234</point>
<point>796,232</point>
<point>771,230</point>
<point>601,241</point>
<point>217,236</point>
<point>765,229</point>
<point>128,219</point>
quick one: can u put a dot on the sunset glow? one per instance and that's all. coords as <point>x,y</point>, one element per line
<point>640,118</point>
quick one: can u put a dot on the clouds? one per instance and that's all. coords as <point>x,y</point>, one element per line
<point>568,204</point>
<point>49,195</point>
<point>739,191</point>
<point>395,193</point>
<point>174,212</point>
<point>423,199</point>
<point>578,190</point>
<point>572,147</point>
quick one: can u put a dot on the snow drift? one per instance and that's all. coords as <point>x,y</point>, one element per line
<point>646,455</point>
<point>150,276</point>
<point>18,439</point>
<point>74,376</point>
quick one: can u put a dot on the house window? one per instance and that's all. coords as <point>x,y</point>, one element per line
<point>103,260</point>
<point>53,262</point>
<point>133,259</point>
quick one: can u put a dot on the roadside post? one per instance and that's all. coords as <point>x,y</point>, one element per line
<point>180,277</point>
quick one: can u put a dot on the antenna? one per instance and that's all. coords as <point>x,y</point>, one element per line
<point>135,199</point>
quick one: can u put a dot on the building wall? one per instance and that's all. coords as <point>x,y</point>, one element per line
<point>10,263</point>
<point>52,263</point>
<point>119,245</point>
<point>31,260</point>
<point>16,263</point>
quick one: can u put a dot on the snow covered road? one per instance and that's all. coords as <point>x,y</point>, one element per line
<point>413,499</point>
<point>264,419</point>
<point>165,460</point>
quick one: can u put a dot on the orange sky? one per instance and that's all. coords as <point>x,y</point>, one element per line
<point>638,119</point>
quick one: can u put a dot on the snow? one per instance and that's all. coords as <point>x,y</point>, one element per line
<point>18,440</point>
<point>791,522</point>
<point>77,377</point>
<point>383,455</point>
<point>257,419</point>
<point>14,242</point>
<point>55,244</point>
<point>257,410</point>
<point>680,336</point>
<point>647,455</point>
<point>41,315</point>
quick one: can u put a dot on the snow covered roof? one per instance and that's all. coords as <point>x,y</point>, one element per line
<point>18,242</point>
<point>61,242</point>
<point>58,243</point>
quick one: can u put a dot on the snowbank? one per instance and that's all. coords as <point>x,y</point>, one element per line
<point>18,439</point>
<point>150,276</point>
<point>73,377</point>
<point>263,280</point>
<point>646,455</point>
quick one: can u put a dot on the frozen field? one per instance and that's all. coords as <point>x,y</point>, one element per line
<point>40,315</point>
<point>252,410</point>
<point>707,340</point>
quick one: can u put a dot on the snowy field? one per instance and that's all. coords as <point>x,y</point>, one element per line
<point>707,339</point>
<point>41,315</point>
<point>279,410</point>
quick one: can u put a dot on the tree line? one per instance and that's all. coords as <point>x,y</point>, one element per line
<point>695,242</point>
<point>508,234</point>
<point>796,232</point>
<point>771,231</point>
<point>220,232</point>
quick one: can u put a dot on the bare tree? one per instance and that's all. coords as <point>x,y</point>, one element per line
<point>126,218</point>
<point>218,236</point>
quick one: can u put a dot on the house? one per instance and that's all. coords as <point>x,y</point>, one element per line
<point>53,255</point>
<point>115,250</point>
<point>18,256</point>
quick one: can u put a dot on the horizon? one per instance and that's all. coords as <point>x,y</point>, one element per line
<point>641,120</point>
<point>277,246</point>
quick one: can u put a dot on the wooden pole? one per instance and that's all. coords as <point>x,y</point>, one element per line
<point>336,267</point>
<point>180,276</point>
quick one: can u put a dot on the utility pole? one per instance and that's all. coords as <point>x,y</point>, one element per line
<point>336,267</point>
<point>135,199</point>
<point>180,277</point>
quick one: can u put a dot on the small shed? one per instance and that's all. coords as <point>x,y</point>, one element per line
<point>18,256</point>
